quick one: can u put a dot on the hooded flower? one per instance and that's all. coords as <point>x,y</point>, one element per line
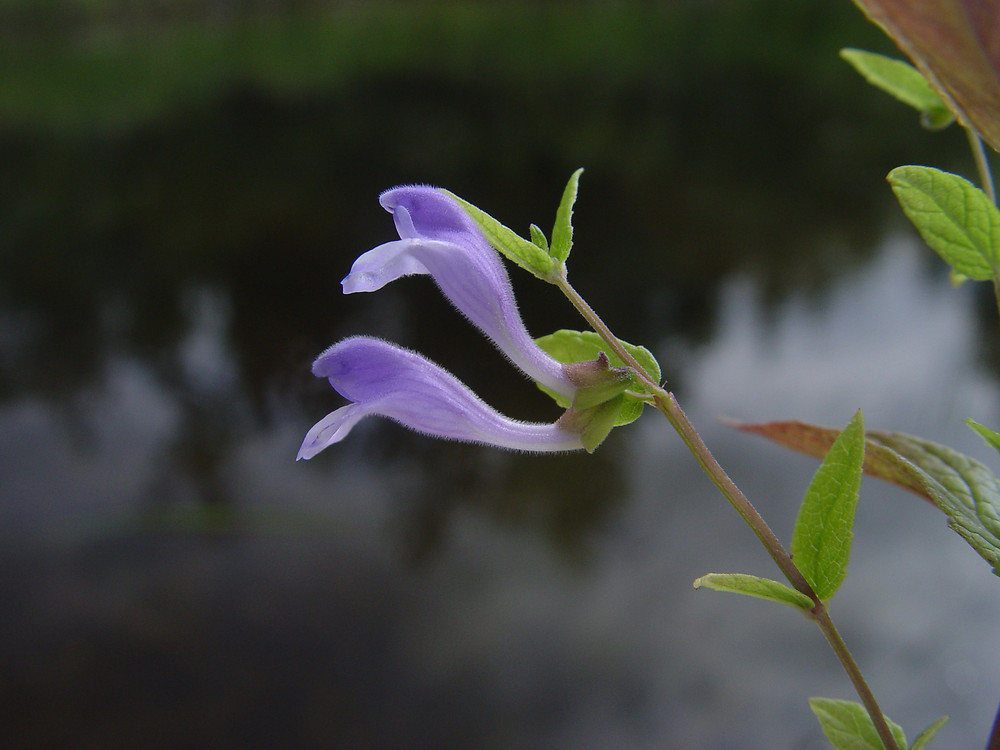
<point>438,238</point>
<point>383,379</point>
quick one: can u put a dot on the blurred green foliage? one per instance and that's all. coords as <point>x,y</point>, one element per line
<point>73,64</point>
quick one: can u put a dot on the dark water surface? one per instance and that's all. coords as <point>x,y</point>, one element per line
<point>171,264</point>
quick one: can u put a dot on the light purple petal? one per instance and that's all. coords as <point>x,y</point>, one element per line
<point>387,380</point>
<point>383,264</point>
<point>331,429</point>
<point>440,239</point>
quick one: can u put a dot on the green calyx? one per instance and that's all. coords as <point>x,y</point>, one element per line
<point>597,381</point>
<point>608,395</point>
<point>599,398</point>
<point>579,351</point>
<point>593,423</point>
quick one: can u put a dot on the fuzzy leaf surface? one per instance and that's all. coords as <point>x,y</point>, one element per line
<point>957,219</point>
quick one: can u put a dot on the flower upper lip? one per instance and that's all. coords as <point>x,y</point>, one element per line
<point>438,238</point>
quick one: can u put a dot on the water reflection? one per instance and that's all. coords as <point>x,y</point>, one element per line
<point>417,578</point>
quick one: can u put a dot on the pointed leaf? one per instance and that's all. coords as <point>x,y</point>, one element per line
<point>967,492</point>
<point>562,231</point>
<point>538,238</point>
<point>761,588</point>
<point>956,45</point>
<point>581,346</point>
<point>992,438</point>
<point>901,80</point>
<point>924,738</point>
<point>849,727</point>
<point>512,246</point>
<point>821,543</point>
<point>957,219</point>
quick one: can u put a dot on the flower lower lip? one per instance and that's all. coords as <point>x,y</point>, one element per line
<point>387,380</point>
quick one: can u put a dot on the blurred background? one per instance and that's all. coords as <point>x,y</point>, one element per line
<point>183,185</point>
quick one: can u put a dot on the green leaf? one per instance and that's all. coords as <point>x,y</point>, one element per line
<point>581,346</point>
<point>562,231</point>
<point>992,438</point>
<point>821,543</point>
<point>512,246</point>
<point>957,219</point>
<point>762,588</point>
<point>962,487</point>
<point>903,81</point>
<point>967,492</point>
<point>538,238</point>
<point>924,738</point>
<point>849,727</point>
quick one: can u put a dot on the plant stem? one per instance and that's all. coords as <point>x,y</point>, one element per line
<point>595,322</point>
<point>821,614</point>
<point>996,291</point>
<point>986,179</point>
<point>667,403</point>
<point>680,422</point>
<point>982,164</point>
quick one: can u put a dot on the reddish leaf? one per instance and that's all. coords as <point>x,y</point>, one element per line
<point>956,45</point>
<point>967,492</point>
<point>813,440</point>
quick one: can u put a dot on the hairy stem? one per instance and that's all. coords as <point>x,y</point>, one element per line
<point>668,405</point>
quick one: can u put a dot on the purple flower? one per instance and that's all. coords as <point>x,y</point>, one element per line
<point>383,379</point>
<point>438,238</point>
